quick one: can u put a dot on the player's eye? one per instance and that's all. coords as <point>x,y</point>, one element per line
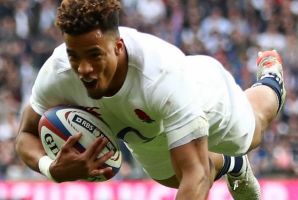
<point>72,57</point>
<point>95,55</point>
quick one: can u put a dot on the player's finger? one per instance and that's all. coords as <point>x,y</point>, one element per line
<point>102,171</point>
<point>100,143</point>
<point>99,161</point>
<point>99,149</point>
<point>72,140</point>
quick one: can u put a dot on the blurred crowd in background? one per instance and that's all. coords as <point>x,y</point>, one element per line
<point>231,31</point>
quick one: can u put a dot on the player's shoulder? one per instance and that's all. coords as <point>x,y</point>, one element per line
<point>150,54</point>
<point>148,44</point>
<point>56,69</point>
<point>58,62</point>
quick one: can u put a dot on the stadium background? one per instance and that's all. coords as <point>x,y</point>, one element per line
<point>231,31</point>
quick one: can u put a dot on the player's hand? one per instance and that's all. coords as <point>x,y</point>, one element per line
<point>72,165</point>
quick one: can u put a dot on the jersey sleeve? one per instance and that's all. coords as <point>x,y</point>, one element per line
<point>181,110</point>
<point>49,90</point>
<point>41,98</point>
<point>185,121</point>
<point>194,129</point>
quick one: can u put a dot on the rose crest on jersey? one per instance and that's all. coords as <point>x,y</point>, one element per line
<point>143,116</point>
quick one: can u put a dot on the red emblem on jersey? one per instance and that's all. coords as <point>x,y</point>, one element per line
<point>143,116</point>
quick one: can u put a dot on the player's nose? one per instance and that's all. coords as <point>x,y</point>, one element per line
<point>85,67</point>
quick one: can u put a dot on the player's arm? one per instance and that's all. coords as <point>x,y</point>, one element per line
<point>69,164</point>
<point>193,170</point>
<point>28,145</point>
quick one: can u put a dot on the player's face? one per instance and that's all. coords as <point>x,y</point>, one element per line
<point>94,57</point>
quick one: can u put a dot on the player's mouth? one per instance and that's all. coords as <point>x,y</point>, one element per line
<point>89,83</point>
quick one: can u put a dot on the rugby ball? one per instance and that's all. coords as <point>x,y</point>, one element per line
<point>59,123</point>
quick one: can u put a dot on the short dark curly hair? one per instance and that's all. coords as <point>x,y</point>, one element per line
<point>75,17</point>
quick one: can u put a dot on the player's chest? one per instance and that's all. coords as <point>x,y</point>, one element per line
<point>132,122</point>
<point>129,119</point>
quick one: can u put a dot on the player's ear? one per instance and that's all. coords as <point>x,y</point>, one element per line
<point>119,47</point>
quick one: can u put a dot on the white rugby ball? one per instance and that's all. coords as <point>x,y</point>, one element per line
<point>59,123</point>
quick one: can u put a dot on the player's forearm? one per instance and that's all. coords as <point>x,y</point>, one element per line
<point>29,149</point>
<point>194,188</point>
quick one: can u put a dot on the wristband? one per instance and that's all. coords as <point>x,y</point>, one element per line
<point>44,164</point>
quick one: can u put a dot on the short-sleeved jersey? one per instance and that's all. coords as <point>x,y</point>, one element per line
<point>167,100</point>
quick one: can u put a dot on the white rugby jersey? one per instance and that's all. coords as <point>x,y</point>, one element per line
<point>167,98</point>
